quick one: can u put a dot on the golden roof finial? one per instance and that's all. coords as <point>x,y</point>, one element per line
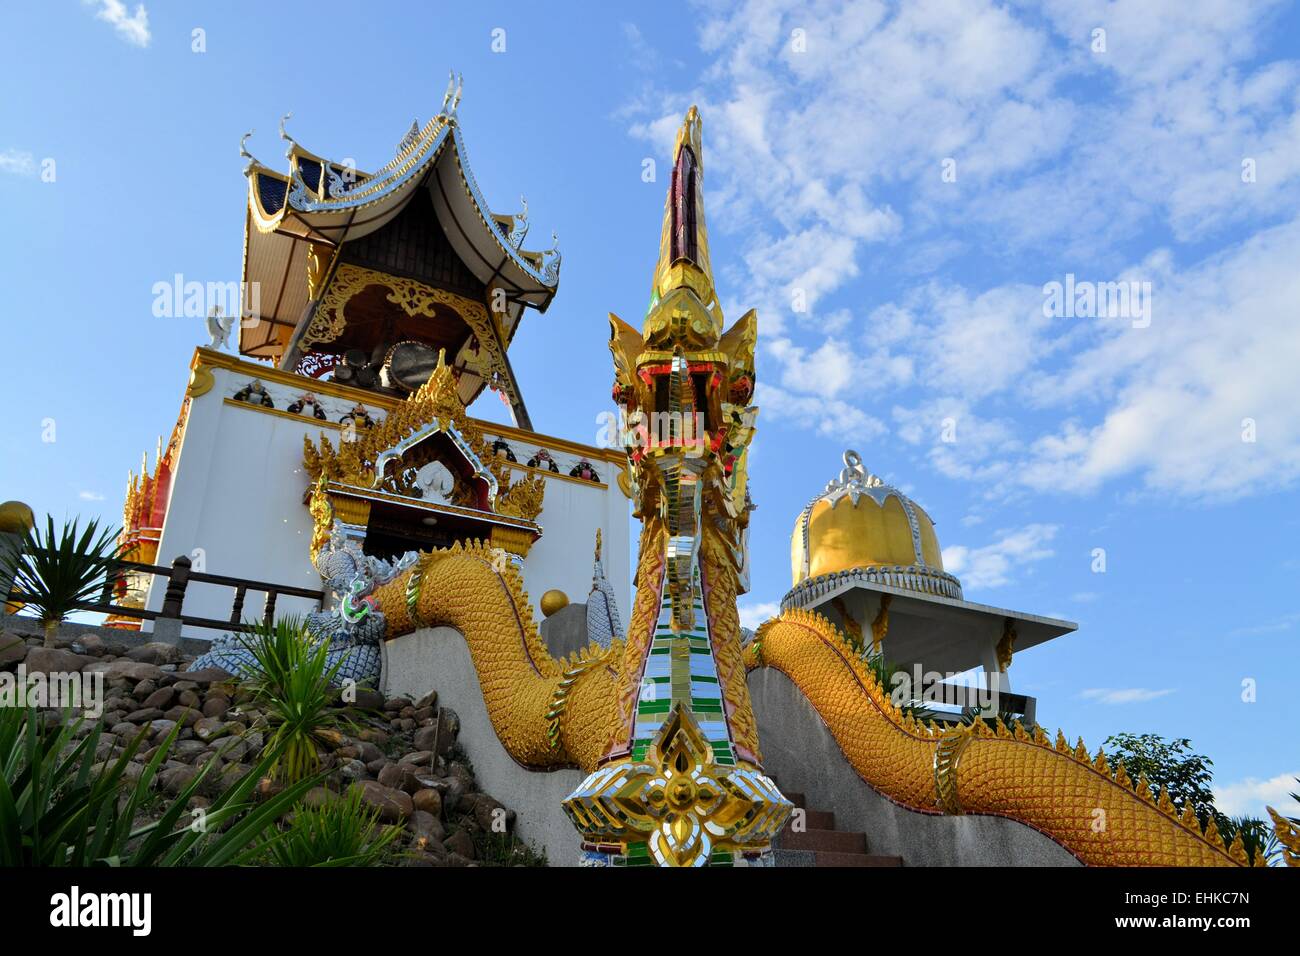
<point>684,240</point>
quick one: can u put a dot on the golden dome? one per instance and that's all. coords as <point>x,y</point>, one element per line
<point>552,601</point>
<point>860,527</point>
<point>16,517</point>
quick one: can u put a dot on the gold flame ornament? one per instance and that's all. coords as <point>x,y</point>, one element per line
<point>678,801</point>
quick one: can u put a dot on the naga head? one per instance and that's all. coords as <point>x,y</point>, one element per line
<point>683,385</point>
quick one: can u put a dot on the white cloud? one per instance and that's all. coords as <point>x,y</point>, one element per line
<point>752,615</point>
<point>1250,796</point>
<point>962,444</point>
<point>978,344</point>
<point>132,27</point>
<point>17,162</point>
<point>831,418</point>
<point>1220,351</point>
<point>1123,695</point>
<point>90,496</point>
<point>995,565</point>
<point>826,371</point>
<point>1167,405</point>
<point>1067,160</point>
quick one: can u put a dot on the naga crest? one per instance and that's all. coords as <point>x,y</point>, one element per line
<point>683,387</point>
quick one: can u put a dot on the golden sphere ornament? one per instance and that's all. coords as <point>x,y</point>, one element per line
<point>553,600</point>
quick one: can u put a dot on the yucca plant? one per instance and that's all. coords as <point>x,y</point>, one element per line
<point>58,809</point>
<point>57,572</point>
<point>292,679</point>
<point>341,832</point>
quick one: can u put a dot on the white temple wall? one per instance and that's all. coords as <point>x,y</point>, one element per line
<point>237,497</point>
<point>237,502</point>
<point>562,557</point>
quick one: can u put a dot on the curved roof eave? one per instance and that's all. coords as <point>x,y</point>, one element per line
<point>479,236</point>
<point>352,213</point>
<point>548,275</point>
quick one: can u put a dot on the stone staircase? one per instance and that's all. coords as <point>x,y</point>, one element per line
<point>820,844</point>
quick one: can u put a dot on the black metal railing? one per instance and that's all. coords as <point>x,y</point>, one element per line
<point>179,576</point>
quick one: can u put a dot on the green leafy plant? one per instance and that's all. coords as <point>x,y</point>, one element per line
<point>341,832</point>
<point>292,680</point>
<point>58,571</point>
<point>59,806</point>
<point>1186,775</point>
<point>884,672</point>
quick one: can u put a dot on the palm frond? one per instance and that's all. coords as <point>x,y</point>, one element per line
<point>59,570</point>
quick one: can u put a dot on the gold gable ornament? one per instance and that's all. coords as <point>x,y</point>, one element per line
<point>379,468</point>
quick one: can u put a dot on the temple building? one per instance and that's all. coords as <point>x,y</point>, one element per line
<point>356,288</point>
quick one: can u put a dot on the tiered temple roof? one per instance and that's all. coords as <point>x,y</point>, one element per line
<point>420,218</point>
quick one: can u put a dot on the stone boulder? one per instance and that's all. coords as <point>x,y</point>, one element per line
<point>47,660</point>
<point>156,653</point>
<point>13,649</point>
<point>394,806</point>
<point>131,670</point>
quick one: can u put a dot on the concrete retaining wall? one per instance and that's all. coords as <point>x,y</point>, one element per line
<point>438,659</point>
<point>800,752</point>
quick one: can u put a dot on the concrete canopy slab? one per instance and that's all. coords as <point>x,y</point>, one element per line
<point>946,634</point>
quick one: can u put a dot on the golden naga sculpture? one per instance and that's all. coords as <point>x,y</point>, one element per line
<point>1093,810</point>
<point>661,721</point>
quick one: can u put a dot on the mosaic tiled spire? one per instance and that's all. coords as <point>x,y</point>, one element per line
<point>681,785</point>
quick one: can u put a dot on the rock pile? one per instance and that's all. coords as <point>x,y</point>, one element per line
<point>402,755</point>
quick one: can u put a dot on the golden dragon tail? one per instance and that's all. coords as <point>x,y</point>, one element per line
<point>1098,814</point>
<point>547,712</point>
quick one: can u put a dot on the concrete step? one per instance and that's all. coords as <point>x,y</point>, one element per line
<point>818,820</point>
<point>820,844</point>
<point>829,858</point>
<point>818,839</point>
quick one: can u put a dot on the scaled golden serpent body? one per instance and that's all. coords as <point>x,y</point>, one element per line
<point>1055,789</point>
<point>1094,812</point>
<point>472,590</point>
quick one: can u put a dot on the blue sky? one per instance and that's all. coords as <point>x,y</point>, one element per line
<point>832,135</point>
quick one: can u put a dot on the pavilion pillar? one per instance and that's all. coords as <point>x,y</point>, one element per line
<point>995,679</point>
